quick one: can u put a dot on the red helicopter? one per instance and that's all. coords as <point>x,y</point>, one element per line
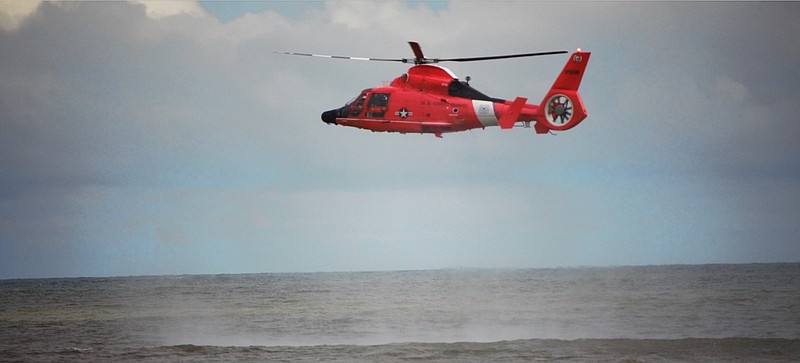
<point>431,99</point>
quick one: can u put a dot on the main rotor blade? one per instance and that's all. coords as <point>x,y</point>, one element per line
<point>402,60</point>
<point>493,57</point>
<point>419,57</point>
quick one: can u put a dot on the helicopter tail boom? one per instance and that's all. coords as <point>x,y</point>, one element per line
<point>562,108</point>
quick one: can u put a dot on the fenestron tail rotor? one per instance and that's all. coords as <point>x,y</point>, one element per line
<point>419,57</point>
<point>559,110</point>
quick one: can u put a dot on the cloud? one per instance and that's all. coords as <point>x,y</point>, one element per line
<point>158,9</point>
<point>730,92</point>
<point>12,13</point>
<point>153,138</point>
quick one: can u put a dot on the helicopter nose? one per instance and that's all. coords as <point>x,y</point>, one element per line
<point>329,117</point>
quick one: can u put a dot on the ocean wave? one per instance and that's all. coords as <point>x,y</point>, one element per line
<point>526,350</point>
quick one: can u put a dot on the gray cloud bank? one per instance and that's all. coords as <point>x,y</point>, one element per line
<point>136,144</point>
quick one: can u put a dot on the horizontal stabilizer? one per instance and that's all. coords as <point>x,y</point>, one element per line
<point>508,119</point>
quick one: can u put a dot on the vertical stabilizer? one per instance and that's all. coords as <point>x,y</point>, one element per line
<point>562,108</point>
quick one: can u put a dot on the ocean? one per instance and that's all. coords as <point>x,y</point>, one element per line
<point>685,313</point>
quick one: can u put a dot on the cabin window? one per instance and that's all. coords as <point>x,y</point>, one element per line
<point>377,105</point>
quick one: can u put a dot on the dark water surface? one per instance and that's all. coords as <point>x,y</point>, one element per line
<point>655,313</point>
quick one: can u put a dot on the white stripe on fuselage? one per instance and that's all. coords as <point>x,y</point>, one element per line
<point>485,112</point>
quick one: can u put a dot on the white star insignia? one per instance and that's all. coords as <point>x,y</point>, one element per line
<point>403,113</point>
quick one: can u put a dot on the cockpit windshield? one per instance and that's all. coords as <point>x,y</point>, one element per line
<point>355,106</point>
<point>352,107</point>
<point>348,103</point>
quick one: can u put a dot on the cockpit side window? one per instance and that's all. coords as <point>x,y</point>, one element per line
<point>377,105</point>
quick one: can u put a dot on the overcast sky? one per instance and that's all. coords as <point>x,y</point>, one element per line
<point>170,138</point>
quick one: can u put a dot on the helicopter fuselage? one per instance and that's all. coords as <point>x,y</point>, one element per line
<point>426,99</point>
<point>431,99</point>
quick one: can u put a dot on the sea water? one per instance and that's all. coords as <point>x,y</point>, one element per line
<point>651,313</point>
